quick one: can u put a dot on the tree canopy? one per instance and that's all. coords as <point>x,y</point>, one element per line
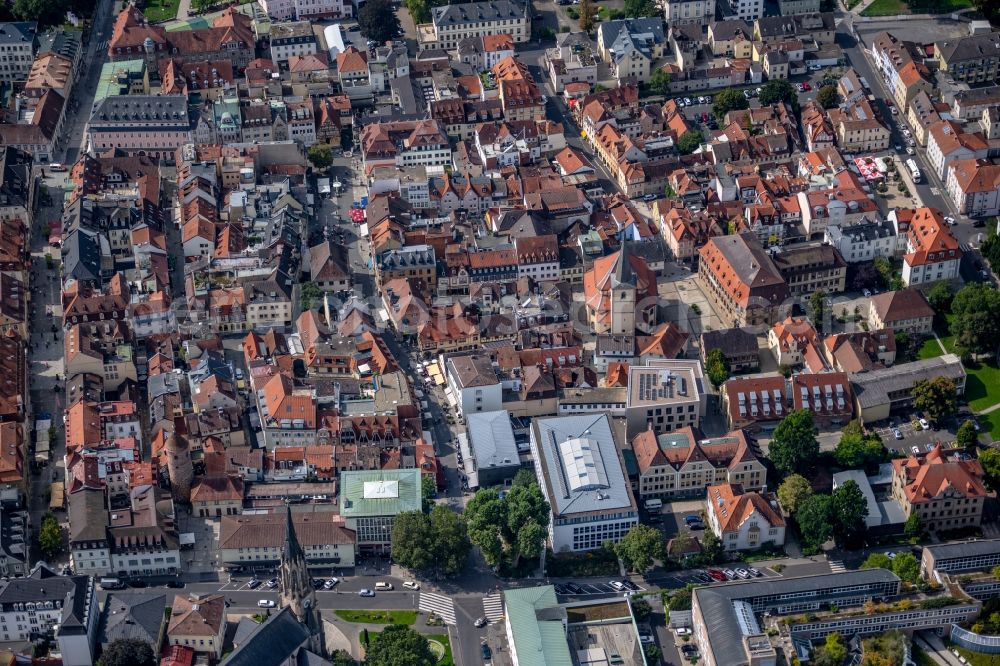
<point>639,547</point>
<point>966,434</point>
<point>828,97</point>
<point>906,566</point>
<point>437,541</point>
<point>814,520</point>
<point>659,81</point>
<point>779,90</point>
<point>689,142</point>
<point>509,528</point>
<point>857,449</point>
<point>940,296</point>
<point>794,446</point>
<point>398,645</point>
<point>877,561</point>
<point>817,309</point>
<point>990,461</point>
<point>128,652</point>
<point>50,539</point>
<point>716,367</point>
<point>588,15</point>
<point>640,8</point>
<point>378,21</point>
<point>935,398</point>
<point>46,12</point>
<point>320,155</point>
<point>976,309</point>
<point>730,99</point>
<point>793,491</point>
<point>848,511</point>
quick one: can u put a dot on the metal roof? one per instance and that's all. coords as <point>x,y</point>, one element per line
<point>491,439</point>
<point>379,492</point>
<point>539,638</point>
<point>581,464</point>
<point>947,551</point>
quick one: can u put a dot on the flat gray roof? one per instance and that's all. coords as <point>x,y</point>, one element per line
<point>491,439</point>
<point>873,388</point>
<point>948,551</point>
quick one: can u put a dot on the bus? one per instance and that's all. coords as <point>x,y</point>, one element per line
<point>911,164</point>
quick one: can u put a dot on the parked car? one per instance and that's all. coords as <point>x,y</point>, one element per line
<point>897,433</point>
<point>175,583</point>
<point>910,150</point>
<point>646,639</point>
<point>743,573</point>
<point>696,526</point>
<point>898,147</point>
<point>754,572</point>
<point>692,519</point>
<point>730,574</point>
<point>915,450</point>
<point>410,585</point>
<point>487,653</point>
<point>683,631</point>
<point>924,424</point>
<point>329,585</point>
<point>382,585</point>
<point>366,593</point>
<point>716,575</point>
<point>266,603</point>
<point>617,586</point>
<point>273,583</point>
<point>950,221</point>
<point>253,584</point>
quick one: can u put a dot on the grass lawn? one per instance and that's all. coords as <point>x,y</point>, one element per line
<point>886,8</point>
<point>443,640</point>
<point>160,10</point>
<point>930,349</point>
<point>378,616</point>
<point>982,384</point>
<point>975,658</point>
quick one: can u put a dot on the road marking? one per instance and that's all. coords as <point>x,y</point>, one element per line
<point>440,605</point>
<point>837,566</point>
<point>493,607</point>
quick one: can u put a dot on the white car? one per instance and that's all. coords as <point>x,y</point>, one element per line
<point>910,150</point>
<point>950,221</point>
<point>265,603</point>
<point>924,424</point>
<point>915,450</point>
<point>411,585</point>
<point>330,584</point>
<point>683,631</point>
<point>646,639</point>
<point>616,585</point>
<point>382,585</point>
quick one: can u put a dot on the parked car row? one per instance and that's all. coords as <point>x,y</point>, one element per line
<point>722,575</point>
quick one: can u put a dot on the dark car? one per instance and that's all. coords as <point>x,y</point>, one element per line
<point>696,526</point>
<point>175,584</point>
<point>487,652</point>
<point>138,582</point>
<point>354,28</point>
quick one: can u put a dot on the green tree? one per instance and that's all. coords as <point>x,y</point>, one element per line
<point>730,99</point>
<point>681,599</point>
<point>420,10</point>
<point>975,310</point>
<point>940,296</point>
<point>412,541</point>
<point>832,652</point>
<point>668,191</point>
<point>689,142</point>
<point>817,308</point>
<point>50,538</point>
<point>641,609</point>
<point>342,658</point>
<point>779,90</point>
<point>990,461</point>
<point>848,511</point>
<point>639,547</point>
<point>451,539</point>
<point>906,566</point>
<point>814,519</point>
<point>128,652</point>
<point>793,491</point>
<point>794,446</point>
<point>856,449</point>
<point>966,434</point>
<point>512,527</point>
<point>877,561</point>
<point>659,82</point>
<point>428,491</point>
<point>914,527</point>
<point>588,15</point>
<point>202,6</point>
<point>46,12</point>
<point>935,398</point>
<point>640,8</point>
<point>437,541</point>
<point>320,155</point>
<point>378,21</point>
<point>398,645</point>
<point>712,549</point>
<point>716,367</point>
<point>828,97</point>
<point>310,296</point>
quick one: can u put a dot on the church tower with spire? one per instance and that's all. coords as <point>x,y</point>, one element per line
<point>297,591</point>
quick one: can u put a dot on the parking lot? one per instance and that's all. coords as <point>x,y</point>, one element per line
<point>581,589</point>
<point>915,439</point>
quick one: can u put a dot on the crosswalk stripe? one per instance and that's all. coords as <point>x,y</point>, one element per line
<point>837,566</point>
<point>438,604</point>
<point>493,607</point>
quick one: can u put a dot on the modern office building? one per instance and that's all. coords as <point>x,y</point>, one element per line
<point>489,452</point>
<point>582,475</point>
<point>370,500</point>
<point>665,395</point>
<point>960,556</point>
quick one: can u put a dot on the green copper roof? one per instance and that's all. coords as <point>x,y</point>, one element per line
<point>538,633</point>
<point>379,492</point>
